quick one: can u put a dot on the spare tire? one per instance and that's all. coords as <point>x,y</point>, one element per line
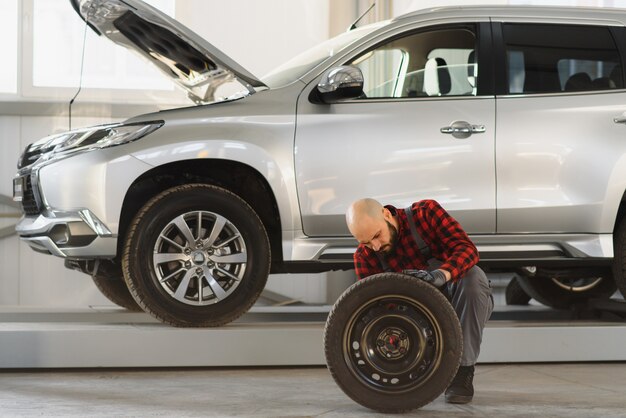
<point>393,343</point>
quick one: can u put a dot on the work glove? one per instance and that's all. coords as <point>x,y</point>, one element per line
<point>436,277</point>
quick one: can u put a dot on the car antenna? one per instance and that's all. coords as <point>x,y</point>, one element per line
<point>80,79</point>
<point>353,25</point>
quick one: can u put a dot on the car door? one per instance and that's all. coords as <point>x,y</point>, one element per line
<point>398,142</point>
<point>558,142</point>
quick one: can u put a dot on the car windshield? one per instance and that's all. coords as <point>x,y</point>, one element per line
<point>298,66</point>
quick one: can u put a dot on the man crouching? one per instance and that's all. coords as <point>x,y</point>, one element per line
<point>429,244</point>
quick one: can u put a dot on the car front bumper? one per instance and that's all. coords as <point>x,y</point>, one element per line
<point>77,234</point>
<point>72,206</point>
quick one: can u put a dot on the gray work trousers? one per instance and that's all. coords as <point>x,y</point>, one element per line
<point>473,302</point>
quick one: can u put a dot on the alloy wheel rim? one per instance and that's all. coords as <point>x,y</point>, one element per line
<point>393,344</point>
<point>199,258</point>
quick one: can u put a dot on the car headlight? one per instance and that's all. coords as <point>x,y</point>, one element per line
<point>87,138</point>
<point>109,136</point>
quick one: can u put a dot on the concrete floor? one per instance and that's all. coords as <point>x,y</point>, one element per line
<point>542,390</point>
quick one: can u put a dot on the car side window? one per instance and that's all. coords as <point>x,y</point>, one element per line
<point>560,58</point>
<point>438,62</point>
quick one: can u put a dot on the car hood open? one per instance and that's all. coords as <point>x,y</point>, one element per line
<point>192,62</point>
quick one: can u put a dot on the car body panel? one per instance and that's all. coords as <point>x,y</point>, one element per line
<point>522,13</point>
<point>554,170</point>
<point>263,140</point>
<point>394,151</point>
<point>103,181</point>
<point>257,131</point>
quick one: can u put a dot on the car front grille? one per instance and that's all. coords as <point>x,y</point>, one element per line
<point>29,203</point>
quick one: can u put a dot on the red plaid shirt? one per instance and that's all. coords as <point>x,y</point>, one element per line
<point>440,231</point>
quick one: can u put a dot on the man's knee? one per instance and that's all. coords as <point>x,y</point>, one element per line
<point>474,284</point>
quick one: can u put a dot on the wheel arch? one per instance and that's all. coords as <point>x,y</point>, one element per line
<point>237,177</point>
<point>621,211</point>
<point>614,202</point>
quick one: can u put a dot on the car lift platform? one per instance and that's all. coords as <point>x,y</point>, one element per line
<point>277,336</point>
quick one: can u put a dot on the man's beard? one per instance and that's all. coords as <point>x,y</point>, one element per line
<point>393,239</point>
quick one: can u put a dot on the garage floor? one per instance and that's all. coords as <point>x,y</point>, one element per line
<point>542,390</point>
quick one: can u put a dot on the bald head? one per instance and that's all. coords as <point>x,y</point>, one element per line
<point>371,224</point>
<point>363,210</point>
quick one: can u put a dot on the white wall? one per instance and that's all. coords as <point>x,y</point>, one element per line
<point>259,35</point>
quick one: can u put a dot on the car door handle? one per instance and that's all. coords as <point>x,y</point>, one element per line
<point>620,119</point>
<point>462,129</point>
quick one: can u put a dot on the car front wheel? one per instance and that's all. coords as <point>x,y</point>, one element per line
<point>196,255</point>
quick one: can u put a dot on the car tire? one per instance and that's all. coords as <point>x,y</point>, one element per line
<point>196,255</point>
<point>619,261</point>
<point>115,290</point>
<point>514,294</point>
<point>392,343</point>
<point>561,293</point>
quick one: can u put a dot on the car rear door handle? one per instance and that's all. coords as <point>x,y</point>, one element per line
<point>461,129</point>
<point>620,119</point>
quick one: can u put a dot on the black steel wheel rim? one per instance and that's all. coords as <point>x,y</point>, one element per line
<point>393,344</point>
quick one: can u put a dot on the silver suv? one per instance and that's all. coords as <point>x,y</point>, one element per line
<point>511,117</point>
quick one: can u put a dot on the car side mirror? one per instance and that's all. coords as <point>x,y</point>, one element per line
<point>340,83</point>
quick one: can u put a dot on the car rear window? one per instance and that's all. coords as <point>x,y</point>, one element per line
<point>560,58</point>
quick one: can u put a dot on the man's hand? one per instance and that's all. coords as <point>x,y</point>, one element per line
<point>436,278</point>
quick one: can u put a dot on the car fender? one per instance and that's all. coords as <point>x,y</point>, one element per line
<point>275,165</point>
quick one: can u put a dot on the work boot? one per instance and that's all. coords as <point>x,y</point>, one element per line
<point>461,390</point>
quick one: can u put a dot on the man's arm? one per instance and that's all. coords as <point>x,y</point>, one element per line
<point>459,252</point>
<point>366,263</point>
